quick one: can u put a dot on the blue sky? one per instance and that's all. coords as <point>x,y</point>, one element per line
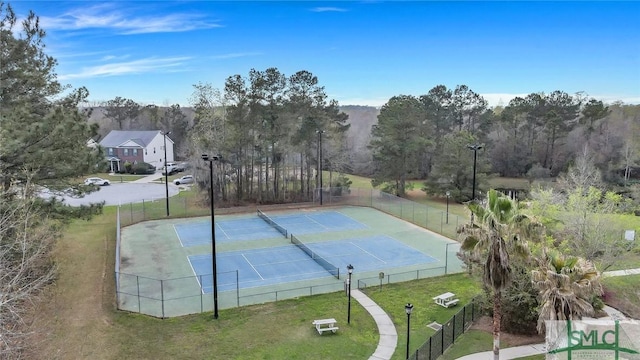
<point>363,53</point>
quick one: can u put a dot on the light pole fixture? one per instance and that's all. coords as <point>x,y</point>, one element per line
<point>448,195</point>
<point>408,309</point>
<point>166,175</point>
<point>320,132</point>
<point>350,271</point>
<point>475,149</point>
<point>214,274</point>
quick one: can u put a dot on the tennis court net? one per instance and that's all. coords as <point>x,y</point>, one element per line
<point>332,269</point>
<point>270,221</point>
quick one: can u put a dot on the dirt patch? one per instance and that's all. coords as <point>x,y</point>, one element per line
<point>485,323</point>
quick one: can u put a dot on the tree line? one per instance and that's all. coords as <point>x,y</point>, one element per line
<point>536,136</point>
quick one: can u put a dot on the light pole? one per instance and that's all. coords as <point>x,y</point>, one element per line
<point>320,132</point>
<point>214,274</point>
<point>350,271</point>
<point>448,195</point>
<point>166,176</point>
<point>475,149</point>
<point>408,308</point>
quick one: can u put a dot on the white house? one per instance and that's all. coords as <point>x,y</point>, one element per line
<point>121,146</point>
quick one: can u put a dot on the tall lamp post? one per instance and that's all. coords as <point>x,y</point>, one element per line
<point>448,195</point>
<point>214,274</point>
<point>475,149</point>
<point>350,271</point>
<point>320,132</point>
<point>408,309</point>
<point>166,175</point>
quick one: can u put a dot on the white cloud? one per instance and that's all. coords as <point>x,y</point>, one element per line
<point>132,67</point>
<point>109,16</point>
<point>328,9</point>
<point>612,98</point>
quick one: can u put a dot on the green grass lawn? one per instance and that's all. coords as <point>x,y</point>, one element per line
<point>621,292</point>
<point>392,299</point>
<point>115,177</point>
<point>471,342</point>
<point>80,319</point>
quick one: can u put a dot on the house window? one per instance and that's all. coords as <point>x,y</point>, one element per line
<point>110,151</point>
<point>135,152</point>
<point>145,151</point>
<point>126,152</point>
<point>154,150</point>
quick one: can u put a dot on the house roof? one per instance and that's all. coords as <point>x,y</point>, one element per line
<point>119,137</point>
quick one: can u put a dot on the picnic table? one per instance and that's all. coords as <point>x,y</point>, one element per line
<point>323,325</point>
<point>446,300</point>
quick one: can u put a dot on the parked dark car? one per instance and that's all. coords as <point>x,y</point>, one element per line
<point>180,167</point>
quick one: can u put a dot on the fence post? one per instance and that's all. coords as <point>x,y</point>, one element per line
<point>464,316</point>
<point>430,337</point>
<point>426,218</point>
<point>473,309</point>
<point>441,223</point>
<point>162,296</point>
<point>453,337</point>
<point>237,288</point>
<point>201,294</point>
<point>413,212</point>
<point>143,210</point>
<point>138,286</point>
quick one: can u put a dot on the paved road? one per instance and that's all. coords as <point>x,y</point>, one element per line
<point>124,193</point>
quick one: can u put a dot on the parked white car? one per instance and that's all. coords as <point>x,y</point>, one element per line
<point>187,179</point>
<point>96,181</point>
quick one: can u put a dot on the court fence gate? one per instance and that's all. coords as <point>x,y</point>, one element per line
<point>457,325</point>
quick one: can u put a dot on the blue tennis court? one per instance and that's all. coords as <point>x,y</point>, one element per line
<point>199,233</point>
<point>289,263</point>
<point>256,268</point>
<point>254,228</point>
<point>317,222</point>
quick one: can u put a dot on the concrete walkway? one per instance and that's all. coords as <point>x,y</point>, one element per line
<point>149,178</point>
<point>388,335</point>
<point>621,272</point>
<point>534,349</point>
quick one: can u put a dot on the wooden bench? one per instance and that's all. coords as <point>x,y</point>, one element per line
<point>323,325</point>
<point>446,300</point>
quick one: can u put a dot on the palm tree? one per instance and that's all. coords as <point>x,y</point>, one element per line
<point>566,285</point>
<point>500,229</point>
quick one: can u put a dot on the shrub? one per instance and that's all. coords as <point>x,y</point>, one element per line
<point>143,168</point>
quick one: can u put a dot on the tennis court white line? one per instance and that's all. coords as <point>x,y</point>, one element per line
<point>354,220</point>
<point>310,218</point>
<point>365,251</point>
<point>178,235</point>
<point>224,232</point>
<point>196,274</point>
<point>250,264</point>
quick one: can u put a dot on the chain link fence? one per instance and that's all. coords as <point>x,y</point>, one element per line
<point>181,296</point>
<point>428,217</point>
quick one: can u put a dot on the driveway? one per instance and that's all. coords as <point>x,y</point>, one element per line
<point>123,193</point>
